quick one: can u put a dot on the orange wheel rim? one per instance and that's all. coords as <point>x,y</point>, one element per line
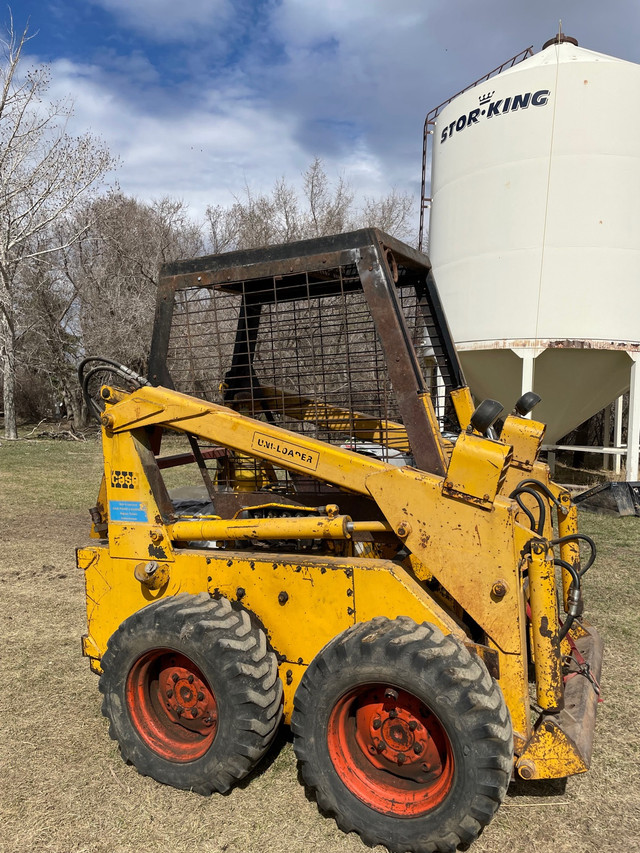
<point>390,750</point>
<point>172,705</point>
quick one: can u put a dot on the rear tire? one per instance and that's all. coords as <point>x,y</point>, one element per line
<point>192,692</point>
<point>403,736</point>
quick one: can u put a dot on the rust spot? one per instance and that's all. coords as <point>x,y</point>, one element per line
<point>157,552</point>
<point>544,628</point>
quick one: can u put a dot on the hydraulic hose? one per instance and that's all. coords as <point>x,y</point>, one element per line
<point>538,484</point>
<point>542,517</point>
<point>573,537</point>
<point>575,598</point>
<point>102,365</point>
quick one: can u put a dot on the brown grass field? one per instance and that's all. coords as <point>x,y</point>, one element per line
<point>65,788</point>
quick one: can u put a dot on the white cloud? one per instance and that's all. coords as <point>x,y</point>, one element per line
<point>350,82</point>
<point>170,20</point>
<point>203,153</point>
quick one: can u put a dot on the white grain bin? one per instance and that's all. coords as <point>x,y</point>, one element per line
<point>535,231</point>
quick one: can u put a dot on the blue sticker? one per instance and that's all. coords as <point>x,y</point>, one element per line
<point>128,511</point>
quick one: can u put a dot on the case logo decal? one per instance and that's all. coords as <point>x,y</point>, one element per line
<point>124,480</point>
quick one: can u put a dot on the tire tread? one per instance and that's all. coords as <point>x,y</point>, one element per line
<point>228,640</point>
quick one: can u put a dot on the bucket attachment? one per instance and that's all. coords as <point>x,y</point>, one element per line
<point>562,743</point>
<point>611,498</point>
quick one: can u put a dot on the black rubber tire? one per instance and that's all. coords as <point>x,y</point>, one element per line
<point>242,672</point>
<point>454,685</point>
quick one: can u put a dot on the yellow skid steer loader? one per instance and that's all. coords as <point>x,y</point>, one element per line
<point>362,553</point>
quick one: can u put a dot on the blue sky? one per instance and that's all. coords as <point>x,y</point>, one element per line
<point>201,97</point>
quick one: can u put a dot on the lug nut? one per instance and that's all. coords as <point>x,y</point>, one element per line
<point>377,723</point>
<point>413,726</point>
<point>194,713</point>
<point>402,758</point>
<point>169,693</point>
<point>417,748</point>
<point>393,713</point>
<point>200,696</point>
<point>174,677</point>
<point>380,747</point>
<point>190,679</point>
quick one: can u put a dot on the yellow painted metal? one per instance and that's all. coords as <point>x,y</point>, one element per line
<point>441,446</point>
<point>383,588</point>
<point>302,603</point>
<point>148,406</point>
<point>466,548</point>
<point>465,536</point>
<point>97,527</point>
<point>312,527</point>
<point>418,568</point>
<point>355,424</point>
<point>476,469</point>
<point>515,689</point>
<point>291,676</point>
<point>545,627</point>
<point>569,551</point>
<point>550,754</point>
<point>135,520</point>
<point>525,439</point>
<point>463,405</point>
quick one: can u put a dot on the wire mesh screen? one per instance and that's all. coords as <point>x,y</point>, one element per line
<point>301,352</point>
<point>431,355</point>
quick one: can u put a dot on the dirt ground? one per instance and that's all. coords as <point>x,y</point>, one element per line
<point>66,790</point>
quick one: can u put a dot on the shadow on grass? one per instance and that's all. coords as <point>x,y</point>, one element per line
<point>282,738</point>
<point>537,788</point>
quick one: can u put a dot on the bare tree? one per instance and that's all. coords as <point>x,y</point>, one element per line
<point>394,214</point>
<point>109,274</point>
<point>325,207</point>
<point>330,209</point>
<point>43,172</point>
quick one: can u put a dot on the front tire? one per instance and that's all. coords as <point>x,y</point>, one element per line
<point>192,692</point>
<point>403,736</point>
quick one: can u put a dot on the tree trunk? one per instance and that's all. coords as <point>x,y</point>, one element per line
<point>73,401</point>
<point>9,379</point>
